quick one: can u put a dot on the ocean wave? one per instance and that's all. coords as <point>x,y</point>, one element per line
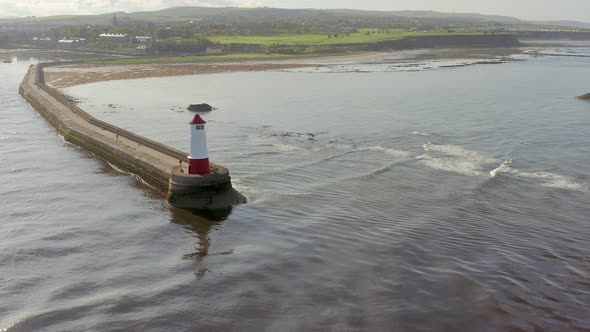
<point>124,172</point>
<point>454,158</point>
<point>421,133</point>
<point>392,152</point>
<point>16,170</point>
<point>303,165</point>
<point>458,151</point>
<point>258,194</point>
<point>286,141</point>
<point>461,166</point>
<point>260,153</point>
<point>115,168</point>
<point>249,191</point>
<point>286,147</point>
<point>552,180</point>
<point>504,168</point>
<point>545,179</point>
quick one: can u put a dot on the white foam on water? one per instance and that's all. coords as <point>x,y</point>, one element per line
<point>257,194</point>
<point>286,147</point>
<point>552,180</point>
<point>455,165</point>
<point>241,187</point>
<point>274,142</point>
<point>504,168</point>
<point>453,158</point>
<point>458,151</point>
<point>460,160</point>
<point>252,194</point>
<point>421,133</point>
<point>392,152</point>
<point>381,170</point>
<point>117,169</point>
<point>545,179</point>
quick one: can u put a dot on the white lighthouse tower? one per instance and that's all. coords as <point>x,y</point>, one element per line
<point>199,157</point>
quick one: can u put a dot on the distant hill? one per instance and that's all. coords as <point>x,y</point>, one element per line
<point>66,20</point>
<point>468,17</point>
<point>179,13</point>
<point>574,24</point>
<point>188,13</point>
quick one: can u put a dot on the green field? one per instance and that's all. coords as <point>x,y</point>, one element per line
<point>324,39</point>
<point>293,46</point>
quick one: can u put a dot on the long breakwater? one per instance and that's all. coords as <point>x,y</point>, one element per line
<point>162,167</point>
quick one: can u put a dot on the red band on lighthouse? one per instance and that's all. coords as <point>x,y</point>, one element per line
<point>198,166</point>
<point>199,158</point>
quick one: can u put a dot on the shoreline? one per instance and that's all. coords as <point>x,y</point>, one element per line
<point>72,75</point>
<point>78,74</point>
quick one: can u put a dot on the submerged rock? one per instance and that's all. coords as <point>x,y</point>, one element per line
<point>584,97</point>
<point>200,108</point>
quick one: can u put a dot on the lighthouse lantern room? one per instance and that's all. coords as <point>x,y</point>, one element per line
<point>199,158</point>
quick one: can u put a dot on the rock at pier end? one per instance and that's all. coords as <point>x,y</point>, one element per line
<point>200,108</point>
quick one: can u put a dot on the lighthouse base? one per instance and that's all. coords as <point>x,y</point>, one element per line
<point>199,166</point>
<point>208,192</point>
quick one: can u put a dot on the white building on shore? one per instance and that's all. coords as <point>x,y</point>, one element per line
<point>143,39</point>
<point>114,37</point>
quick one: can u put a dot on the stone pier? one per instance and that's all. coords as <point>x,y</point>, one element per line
<point>162,167</point>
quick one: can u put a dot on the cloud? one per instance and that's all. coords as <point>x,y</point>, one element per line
<point>61,7</point>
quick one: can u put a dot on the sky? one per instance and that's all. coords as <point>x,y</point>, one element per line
<point>525,9</point>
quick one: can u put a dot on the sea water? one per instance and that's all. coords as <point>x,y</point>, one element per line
<point>444,198</point>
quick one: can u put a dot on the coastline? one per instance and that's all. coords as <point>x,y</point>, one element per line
<point>78,74</point>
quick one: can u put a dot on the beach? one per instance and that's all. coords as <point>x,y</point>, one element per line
<point>76,74</point>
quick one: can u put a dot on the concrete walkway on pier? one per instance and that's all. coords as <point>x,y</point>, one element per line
<point>162,161</point>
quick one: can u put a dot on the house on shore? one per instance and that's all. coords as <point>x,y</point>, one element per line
<point>118,38</point>
<point>143,39</point>
<point>67,43</point>
<point>141,49</point>
<point>43,42</point>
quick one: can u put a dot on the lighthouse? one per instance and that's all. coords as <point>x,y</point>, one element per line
<point>199,158</point>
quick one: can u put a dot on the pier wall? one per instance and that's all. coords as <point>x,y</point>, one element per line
<point>153,176</point>
<point>40,81</point>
